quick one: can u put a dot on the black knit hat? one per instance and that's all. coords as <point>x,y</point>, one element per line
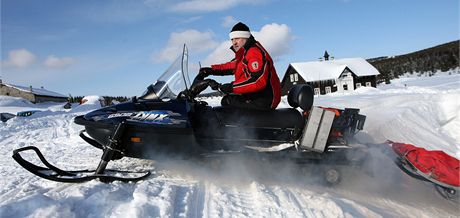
<point>240,30</point>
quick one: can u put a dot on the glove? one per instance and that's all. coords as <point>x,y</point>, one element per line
<point>205,71</point>
<point>213,84</point>
<point>226,88</point>
<point>198,87</point>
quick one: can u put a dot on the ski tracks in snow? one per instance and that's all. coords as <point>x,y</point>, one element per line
<point>185,197</point>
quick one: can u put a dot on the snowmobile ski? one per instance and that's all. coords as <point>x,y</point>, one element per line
<point>53,173</point>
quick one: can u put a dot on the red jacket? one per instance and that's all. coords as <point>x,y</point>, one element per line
<point>255,74</point>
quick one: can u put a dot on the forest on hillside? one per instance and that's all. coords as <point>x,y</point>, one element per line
<point>429,61</point>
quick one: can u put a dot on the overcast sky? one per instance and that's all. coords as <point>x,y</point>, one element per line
<point>118,47</point>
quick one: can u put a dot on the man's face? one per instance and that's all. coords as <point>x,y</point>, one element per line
<point>238,43</point>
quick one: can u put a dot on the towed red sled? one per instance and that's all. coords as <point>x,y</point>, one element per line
<point>433,166</point>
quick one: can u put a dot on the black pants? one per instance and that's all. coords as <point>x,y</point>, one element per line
<point>241,101</point>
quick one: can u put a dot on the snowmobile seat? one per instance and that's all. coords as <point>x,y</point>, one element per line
<point>279,118</point>
<point>299,96</point>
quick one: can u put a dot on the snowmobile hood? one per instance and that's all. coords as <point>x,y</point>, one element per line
<point>151,112</point>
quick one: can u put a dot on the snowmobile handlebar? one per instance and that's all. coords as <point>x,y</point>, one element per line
<point>199,85</point>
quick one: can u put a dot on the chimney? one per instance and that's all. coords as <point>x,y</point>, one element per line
<point>326,56</point>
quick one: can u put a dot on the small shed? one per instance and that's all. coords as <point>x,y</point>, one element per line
<point>330,75</point>
<point>34,95</point>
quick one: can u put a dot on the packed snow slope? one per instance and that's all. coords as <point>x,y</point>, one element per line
<point>422,111</point>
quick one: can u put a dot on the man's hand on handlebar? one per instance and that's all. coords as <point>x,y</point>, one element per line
<point>205,71</point>
<point>213,84</point>
<point>199,85</point>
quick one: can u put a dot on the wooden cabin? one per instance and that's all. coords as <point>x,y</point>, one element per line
<point>327,76</point>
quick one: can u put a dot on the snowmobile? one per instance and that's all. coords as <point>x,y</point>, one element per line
<point>170,119</point>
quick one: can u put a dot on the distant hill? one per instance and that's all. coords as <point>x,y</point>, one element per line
<point>442,57</point>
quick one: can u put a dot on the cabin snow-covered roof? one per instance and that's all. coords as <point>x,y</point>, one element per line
<point>37,91</point>
<point>327,70</point>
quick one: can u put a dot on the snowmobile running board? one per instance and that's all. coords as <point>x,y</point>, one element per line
<point>53,173</point>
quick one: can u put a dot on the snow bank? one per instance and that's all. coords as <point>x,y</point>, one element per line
<point>14,104</point>
<point>422,111</point>
<point>92,99</point>
<point>88,103</point>
<point>8,101</point>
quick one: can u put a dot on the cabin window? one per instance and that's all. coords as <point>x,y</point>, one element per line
<point>317,91</point>
<point>328,89</point>
<point>358,85</point>
<point>294,77</point>
<point>368,84</point>
<point>346,74</point>
<point>345,87</point>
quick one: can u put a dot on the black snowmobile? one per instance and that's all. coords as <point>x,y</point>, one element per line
<point>169,119</point>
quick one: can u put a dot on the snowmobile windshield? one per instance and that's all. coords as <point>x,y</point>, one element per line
<point>174,80</point>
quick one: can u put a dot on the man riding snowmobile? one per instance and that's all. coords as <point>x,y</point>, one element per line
<point>256,84</point>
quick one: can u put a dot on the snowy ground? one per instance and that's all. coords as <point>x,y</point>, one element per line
<point>422,111</point>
